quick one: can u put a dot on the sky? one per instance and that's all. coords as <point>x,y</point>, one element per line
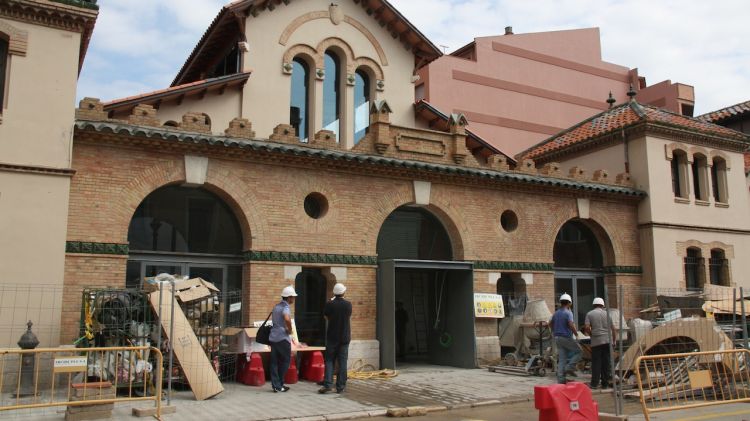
<point>139,45</point>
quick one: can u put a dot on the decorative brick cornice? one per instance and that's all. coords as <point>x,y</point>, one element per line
<point>519,266</point>
<point>320,258</point>
<point>36,169</point>
<point>121,133</point>
<point>634,270</point>
<point>87,247</point>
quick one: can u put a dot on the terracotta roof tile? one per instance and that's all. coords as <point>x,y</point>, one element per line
<point>622,116</point>
<point>728,112</point>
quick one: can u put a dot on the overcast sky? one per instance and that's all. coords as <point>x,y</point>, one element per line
<point>139,45</point>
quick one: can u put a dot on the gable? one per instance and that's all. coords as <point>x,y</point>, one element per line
<point>230,27</point>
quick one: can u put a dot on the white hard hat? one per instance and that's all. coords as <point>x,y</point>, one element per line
<point>598,301</point>
<point>339,289</point>
<point>288,292</point>
<point>566,297</point>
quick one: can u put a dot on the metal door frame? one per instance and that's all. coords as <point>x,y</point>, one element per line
<point>574,275</point>
<point>386,301</point>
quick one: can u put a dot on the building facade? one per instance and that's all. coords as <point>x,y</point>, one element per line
<point>204,178</point>
<point>42,46</point>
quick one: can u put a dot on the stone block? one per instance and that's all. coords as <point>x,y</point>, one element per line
<point>284,133</point>
<point>498,162</point>
<point>76,409</point>
<point>528,166</point>
<point>397,412</point>
<point>577,173</point>
<point>240,127</point>
<point>144,115</point>
<point>196,122</point>
<point>600,176</point>
<point>416,411</point>
<point>92,415</point>
<point>624,179</point>
<point>551,169</point>
<point>91,109</point>
<point>325,139</point>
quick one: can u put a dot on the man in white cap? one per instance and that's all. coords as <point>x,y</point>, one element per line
<point>598,327</point>
<point>338,312</point>
<point>564,330</point>
<point>281,339</point>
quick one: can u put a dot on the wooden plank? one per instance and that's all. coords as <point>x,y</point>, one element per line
<point>198,370</point>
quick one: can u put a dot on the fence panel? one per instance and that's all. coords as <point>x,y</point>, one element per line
<point>671,382</point>
<point>57,377</point>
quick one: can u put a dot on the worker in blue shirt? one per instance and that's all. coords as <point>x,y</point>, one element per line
<point>564,331</point>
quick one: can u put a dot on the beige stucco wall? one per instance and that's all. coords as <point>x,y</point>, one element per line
<point>611,159</point>
<point>269,82</point>
<point>42,88</point>
<point>33,220</point>
<point>668,254</point>
<point>220,108</point>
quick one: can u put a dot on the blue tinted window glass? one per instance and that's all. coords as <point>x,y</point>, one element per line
<point>361,105</point>
<point>331,85</point>
<point>298,109</point>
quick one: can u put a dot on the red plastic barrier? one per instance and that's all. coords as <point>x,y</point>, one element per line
<point>313,367</point>
<point>292,375</point>
<point>252,373</point>
<point>565,402</point>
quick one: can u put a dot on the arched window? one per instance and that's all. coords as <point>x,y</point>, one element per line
<point>700,177</point>
<point>299,112</point>
<point>679,174</point>
<point>331,93</point>
<point>719,180</point>
<point>694,269</point>
<point>718,268</point>
<point>361,104</point>
<point>3,68</point>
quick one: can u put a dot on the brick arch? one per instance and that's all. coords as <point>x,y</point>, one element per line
<point>132,194</point>
<point>608,248</point>
<point>308,53</point>
<point>452,222</point>
<point>17,39</point>
<point>341,46</point>
<point>370,65</point>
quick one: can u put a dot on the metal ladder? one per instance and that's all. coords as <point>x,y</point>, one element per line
<point>420,316</point>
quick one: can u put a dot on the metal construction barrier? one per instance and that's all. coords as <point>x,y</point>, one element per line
<point>671,382</point>
<point>56,377</point>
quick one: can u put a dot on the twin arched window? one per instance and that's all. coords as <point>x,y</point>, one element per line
<point>334,113</point>
<point>699,170</point>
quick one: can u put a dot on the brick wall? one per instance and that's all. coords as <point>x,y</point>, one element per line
<point>267,198</point>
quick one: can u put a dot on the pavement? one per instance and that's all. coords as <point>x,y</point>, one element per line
<point>452,393</point>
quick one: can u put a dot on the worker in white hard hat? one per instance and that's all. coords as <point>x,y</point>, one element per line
<point>281,339</point>
<point>599,327</point>
<point>338,312</point>
<point>564,331</point>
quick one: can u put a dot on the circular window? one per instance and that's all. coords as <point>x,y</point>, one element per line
<point>316,205</point>
<point>509,221</point>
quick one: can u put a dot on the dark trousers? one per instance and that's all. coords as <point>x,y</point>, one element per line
<point>600,365</point>
<point>281,355</point>
<point>334,354</point>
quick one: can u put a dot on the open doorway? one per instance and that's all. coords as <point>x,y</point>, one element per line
<point>310,285</point>
<point>425,300</point>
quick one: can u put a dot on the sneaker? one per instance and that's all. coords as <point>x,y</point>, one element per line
<point>323,390</point>
<point>284,389</point>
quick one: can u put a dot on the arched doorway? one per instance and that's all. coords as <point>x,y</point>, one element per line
<point>190,232</point>
<point>579,267</point>
<point>425,300</point>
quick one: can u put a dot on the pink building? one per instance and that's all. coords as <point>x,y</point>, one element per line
<point>519,89</point>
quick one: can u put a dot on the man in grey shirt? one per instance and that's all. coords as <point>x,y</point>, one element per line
<point>281,339</point>
<point>599,328</point>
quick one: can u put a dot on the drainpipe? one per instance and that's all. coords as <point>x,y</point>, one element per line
<point>627,151</point>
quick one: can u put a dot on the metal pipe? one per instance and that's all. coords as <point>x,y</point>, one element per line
<point>734,316</point>
<point>744,317</point>
<point>171,346</point>
<point>611,348</point>
<point>158,316</point>
<point>618,388</point>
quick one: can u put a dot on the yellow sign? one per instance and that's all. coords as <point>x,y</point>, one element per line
<point>489,305</point>
<point>70,364</point>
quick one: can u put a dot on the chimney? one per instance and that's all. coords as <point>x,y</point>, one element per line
<point>508,30</point>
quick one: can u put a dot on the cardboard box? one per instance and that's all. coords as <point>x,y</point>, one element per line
<point>198,370</point>
<point>186,290</point>
<point>240,339</point>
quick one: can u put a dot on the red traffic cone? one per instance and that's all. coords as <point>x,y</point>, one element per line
<point>253,373</point>
<point>292,376</point>
<point>317,368</point>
